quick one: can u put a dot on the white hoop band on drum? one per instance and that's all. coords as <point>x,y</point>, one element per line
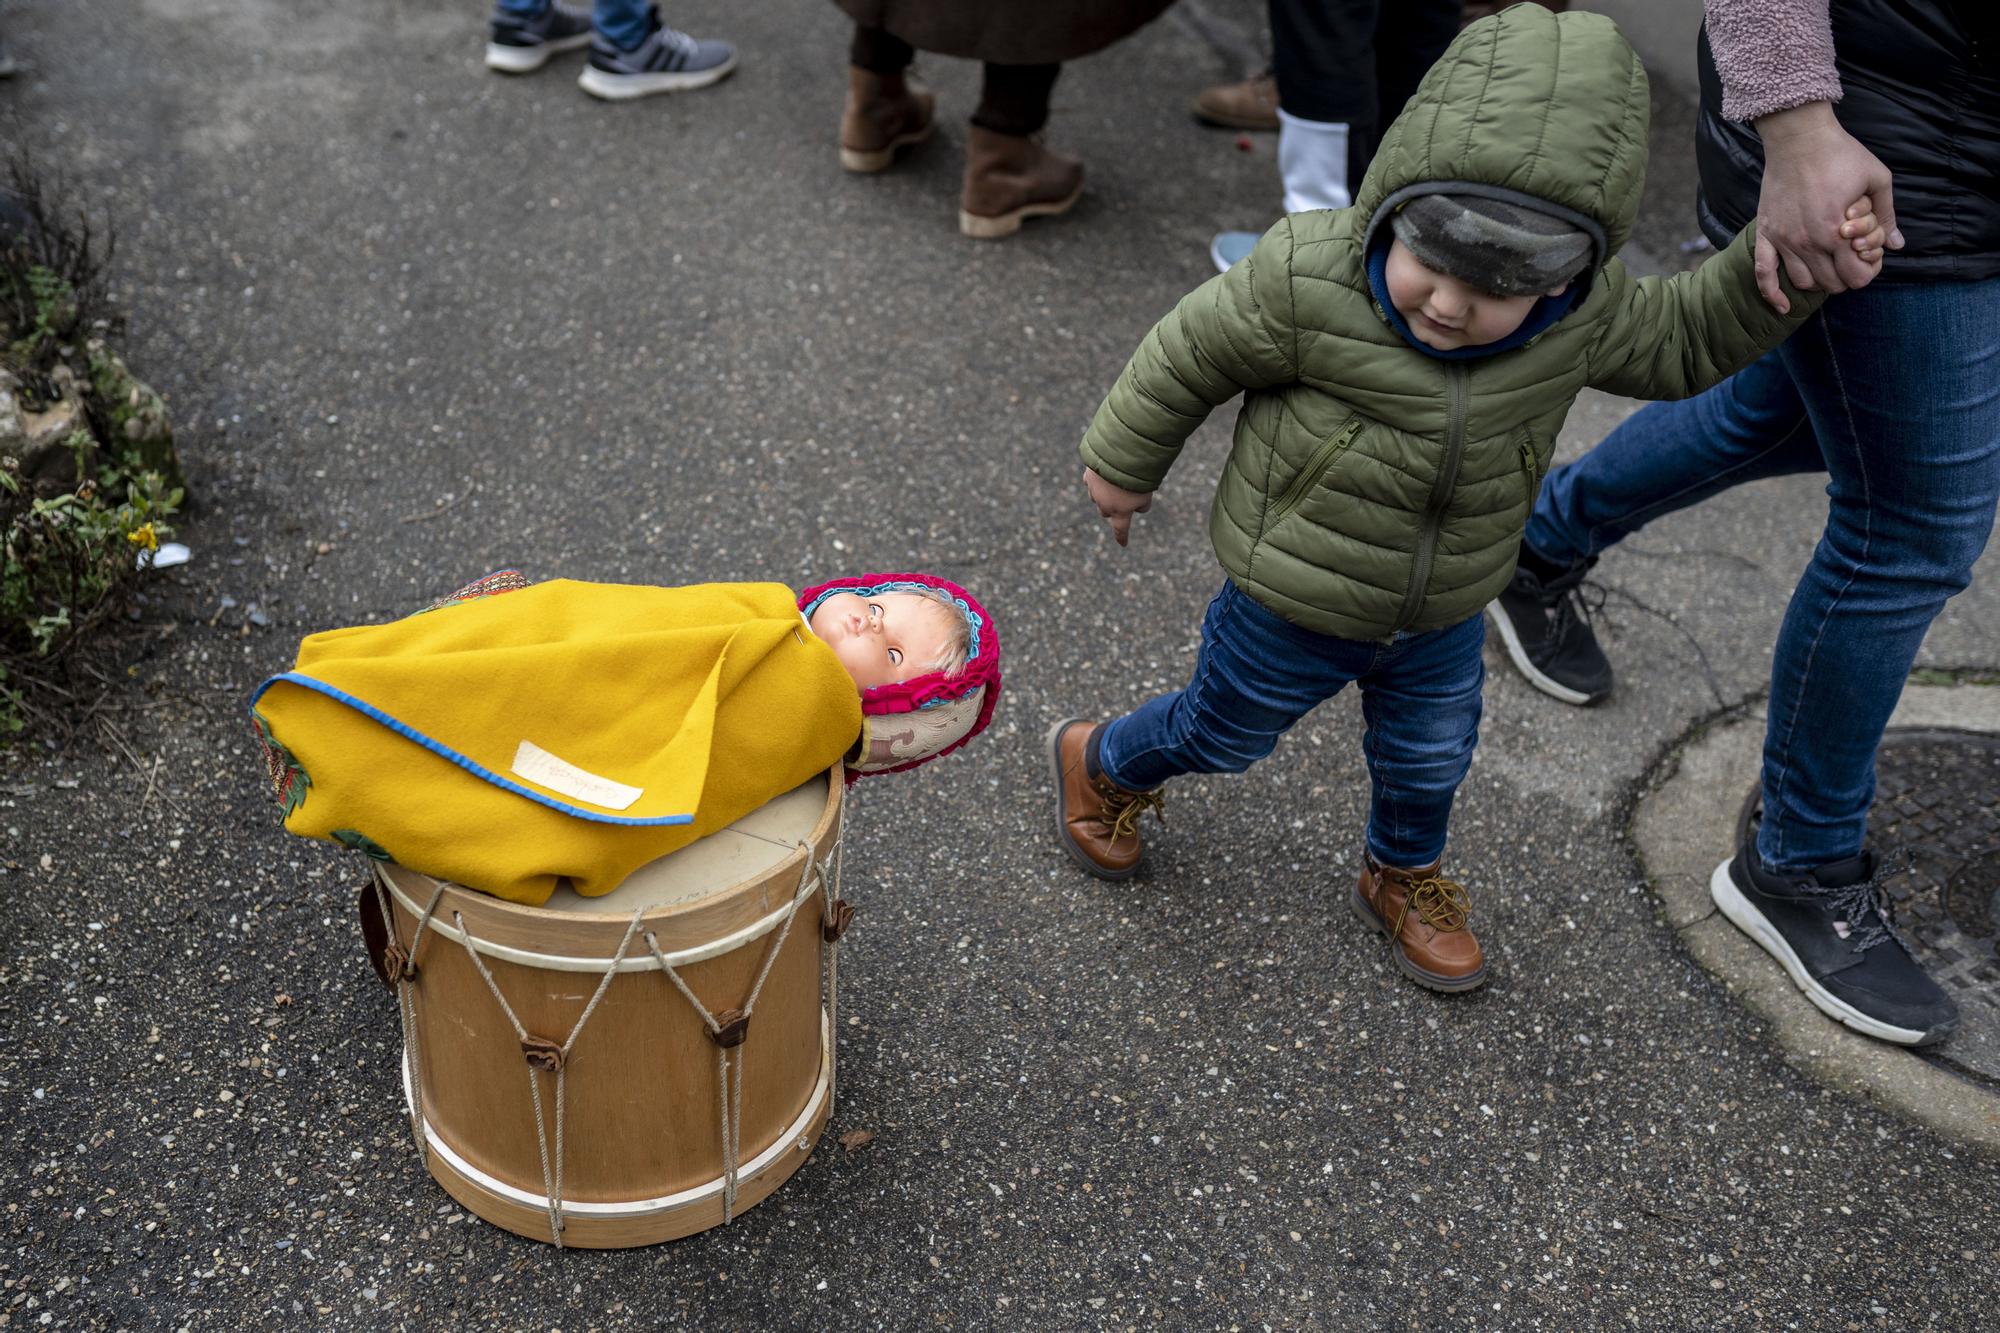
<point>809,885</point>
<point>789,1141</point>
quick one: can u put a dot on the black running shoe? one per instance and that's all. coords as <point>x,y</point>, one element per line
<point>1834,933</point>
<point>1546,627</point>
<point>515,45</point>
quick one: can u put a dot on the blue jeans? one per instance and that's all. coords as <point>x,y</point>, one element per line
<point>1259,673</point>
<point>1894,393</point>
<point>623,22</point>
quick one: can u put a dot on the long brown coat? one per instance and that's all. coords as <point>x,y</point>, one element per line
<point>1007,32</point>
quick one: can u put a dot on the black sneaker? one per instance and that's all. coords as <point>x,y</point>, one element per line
<point>1546,626</point>
<point>666,62</point>
<point>515,45</point>
<point>1834,933</point>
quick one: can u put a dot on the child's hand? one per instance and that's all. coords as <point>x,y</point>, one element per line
<point>1116,503</point>
<point>1862,230</point>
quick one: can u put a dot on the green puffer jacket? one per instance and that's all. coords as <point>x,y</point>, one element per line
<point>1372,488</point>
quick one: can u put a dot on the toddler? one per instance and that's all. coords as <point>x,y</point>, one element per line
<point>514,734</point>
<point>1406,363</point>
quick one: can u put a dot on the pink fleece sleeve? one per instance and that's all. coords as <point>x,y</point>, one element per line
<point>1772,54</point>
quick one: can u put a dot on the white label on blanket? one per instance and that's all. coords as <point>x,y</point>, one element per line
<point>543,769</point>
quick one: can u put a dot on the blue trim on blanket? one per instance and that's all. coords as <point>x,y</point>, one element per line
<point>444,751</point>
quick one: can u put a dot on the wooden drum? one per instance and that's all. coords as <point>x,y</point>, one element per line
<point>632,1068</point>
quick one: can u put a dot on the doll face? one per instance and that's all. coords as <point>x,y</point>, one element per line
<point>1445,313</point>
<point>884,639</point>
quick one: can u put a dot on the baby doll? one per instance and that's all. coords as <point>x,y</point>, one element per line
<point>514,734</point>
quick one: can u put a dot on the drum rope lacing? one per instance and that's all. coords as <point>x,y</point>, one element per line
<point>729,1070</point>
<point>538,1056</point>
<point>729,1036</point>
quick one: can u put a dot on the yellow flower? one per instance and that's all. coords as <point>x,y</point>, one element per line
<point>143,535</point>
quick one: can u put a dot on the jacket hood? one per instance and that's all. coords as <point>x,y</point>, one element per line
<point>1527,105</point>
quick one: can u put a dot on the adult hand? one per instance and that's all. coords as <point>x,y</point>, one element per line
<point>1115,503</point>
<point>1813,169</point>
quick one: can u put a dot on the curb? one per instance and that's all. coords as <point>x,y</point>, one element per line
<point>1687,822</point>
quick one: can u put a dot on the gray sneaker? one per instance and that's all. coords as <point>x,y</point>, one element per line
<point>516,44</point>
<point>666,62</point>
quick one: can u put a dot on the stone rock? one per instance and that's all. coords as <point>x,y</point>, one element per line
<point>54,425</point>
<point>140,429</point>
<point>48,453</point>
<point>13,431</point>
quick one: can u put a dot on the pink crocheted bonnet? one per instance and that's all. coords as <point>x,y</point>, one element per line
<point>915,721</point>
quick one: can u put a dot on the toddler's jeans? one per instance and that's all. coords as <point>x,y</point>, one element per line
<point>1258,673</point>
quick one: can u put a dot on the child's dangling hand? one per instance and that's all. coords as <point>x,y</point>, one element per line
<point>1865,232</point>
<point>1115,503</point>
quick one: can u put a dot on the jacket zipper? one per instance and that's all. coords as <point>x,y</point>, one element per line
<point>1314,469</point>
<point>1528,467</point>
<point>1457,397</point>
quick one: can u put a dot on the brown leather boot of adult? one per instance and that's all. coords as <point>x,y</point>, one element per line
<point>884,112</point>
<point>1009,177</point>
<point>1249,105</point>
<point>1424,915</point>
<point>1097,820</point>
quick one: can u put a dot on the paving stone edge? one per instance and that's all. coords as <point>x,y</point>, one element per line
<point>1685,821</point>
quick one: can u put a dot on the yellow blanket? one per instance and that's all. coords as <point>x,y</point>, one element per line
<point>567,729</point>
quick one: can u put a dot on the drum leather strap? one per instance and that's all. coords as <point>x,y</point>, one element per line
<point>547,1056</point>
<point>833,909</point>
<point>397,967</point>
<point>839,915</point>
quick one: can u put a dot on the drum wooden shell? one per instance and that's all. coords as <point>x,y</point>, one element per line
<point>643,1144</point>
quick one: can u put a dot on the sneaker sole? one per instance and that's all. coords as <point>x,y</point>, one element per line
<point>625,87</point>
<point>1743,914</point>
<point>1423,977</point>
<point>1006,224</point>
<point>526,59</point>
<point>1076,853</point>
<point>1548,685</point>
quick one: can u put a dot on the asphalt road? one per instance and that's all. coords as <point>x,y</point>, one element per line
<point>419,322</point>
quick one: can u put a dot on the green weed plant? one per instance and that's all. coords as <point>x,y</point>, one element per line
<point>71,551</point>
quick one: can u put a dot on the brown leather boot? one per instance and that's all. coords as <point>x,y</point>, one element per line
<point>1424,916</point>
<point>1097,820</point>
<point>884,112</point>
<point>1009,177</point>
<point>1249,105</point>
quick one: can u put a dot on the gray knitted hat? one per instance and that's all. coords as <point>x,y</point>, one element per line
<point>1505,248</point>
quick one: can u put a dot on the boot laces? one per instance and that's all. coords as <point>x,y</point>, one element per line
<point>1121,810</point>
<point>1442,904</point>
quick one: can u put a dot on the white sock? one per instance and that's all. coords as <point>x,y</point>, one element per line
<point>1312,159</point>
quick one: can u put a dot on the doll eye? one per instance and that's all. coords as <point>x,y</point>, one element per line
<point>895,657</point>
<point>874,608</point>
